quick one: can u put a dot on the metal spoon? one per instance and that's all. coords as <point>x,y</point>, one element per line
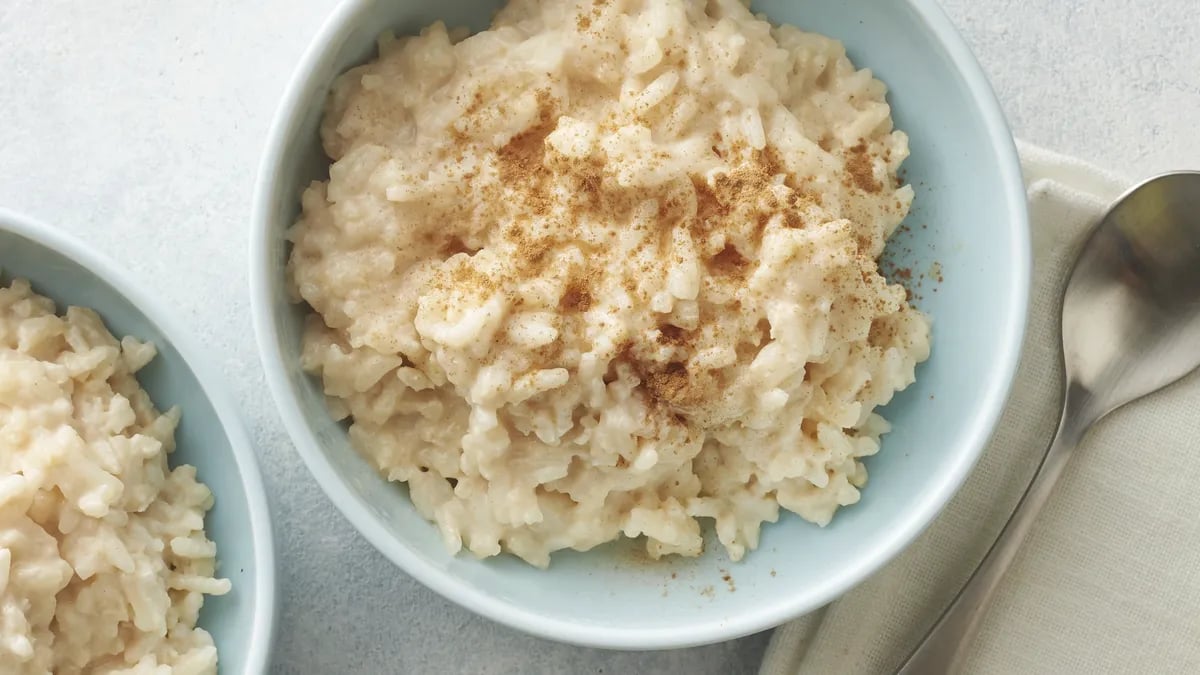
<point>1130,326</point>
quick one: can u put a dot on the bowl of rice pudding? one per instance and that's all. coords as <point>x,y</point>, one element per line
<point>134,531</point>
<point>640,325</point>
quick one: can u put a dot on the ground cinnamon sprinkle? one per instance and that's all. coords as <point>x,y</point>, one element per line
<point>757,191</point>
<point>521,158</point>
<point>521,164</point>
<point>584,21</point>
<point>469,277</point>
<point>752,185</point>
<point>728,579</point>
<point>792,220</point>
<point>531,251</point>
<point>773,163</point>
<point>590,177</point>
<point>577,298</point>
<point>860,169</point>
<point>743,183</point>
<point>477,100</point>
<point>670,384</point>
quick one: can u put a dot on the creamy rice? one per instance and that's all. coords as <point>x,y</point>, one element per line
<point>607,269</point>
<point>103,559</point>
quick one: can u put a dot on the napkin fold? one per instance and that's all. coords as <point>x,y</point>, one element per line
<point>1109,579</point>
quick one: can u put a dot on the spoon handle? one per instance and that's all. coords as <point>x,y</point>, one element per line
<point>945,646</point>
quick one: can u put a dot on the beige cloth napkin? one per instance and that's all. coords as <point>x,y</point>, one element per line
<point>1109,579</point>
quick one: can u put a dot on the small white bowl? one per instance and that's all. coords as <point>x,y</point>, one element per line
<point>210,435</point>
<point>971,202</point>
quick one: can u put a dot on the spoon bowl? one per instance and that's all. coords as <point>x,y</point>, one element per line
<point>1131,313</point>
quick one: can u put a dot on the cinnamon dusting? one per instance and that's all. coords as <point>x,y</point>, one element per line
<point>861,170</point>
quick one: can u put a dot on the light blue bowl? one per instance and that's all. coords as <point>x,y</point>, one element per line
<point>210,436</point>
<point>970,217</point>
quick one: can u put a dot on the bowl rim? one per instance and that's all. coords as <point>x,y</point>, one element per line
<point>289,116</point>
<point>263,629</point>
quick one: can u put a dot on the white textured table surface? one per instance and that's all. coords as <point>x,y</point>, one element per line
<point>137,126</point>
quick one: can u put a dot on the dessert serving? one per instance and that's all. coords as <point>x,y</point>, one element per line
<point>609,269</point>
<point>104,561</point>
